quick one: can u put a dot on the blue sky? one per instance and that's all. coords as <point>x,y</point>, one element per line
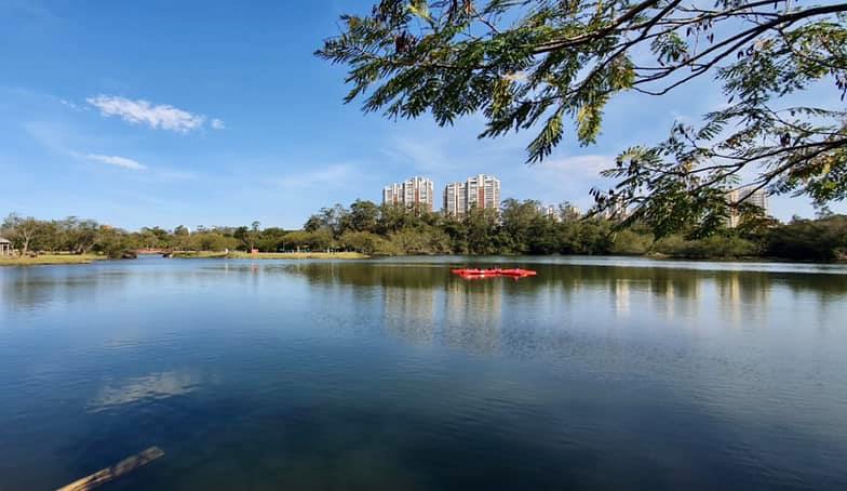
<point>217,113</point>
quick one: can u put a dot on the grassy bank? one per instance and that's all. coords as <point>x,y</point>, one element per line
<point>270,255</point>
<point>47,259</point>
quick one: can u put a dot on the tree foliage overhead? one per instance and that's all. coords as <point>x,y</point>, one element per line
<point>545,64</point>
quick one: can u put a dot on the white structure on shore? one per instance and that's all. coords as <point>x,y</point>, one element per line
<point>5,247</point>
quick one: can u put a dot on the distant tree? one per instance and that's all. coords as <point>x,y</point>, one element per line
<point>152,238</point>
<point>538,64</point>
<point>22,231</point>
<point>818,240</point>
<point>628,243</point>
<point>410,241</point>
<point>212,241</point>
<point>297,240</point>
<point>243,235</point>
<point>367,243</point>
<point>517,221</point>
<point>48,237</point>
<point>591,237</point>
<point>83,236</point>
<point>543,236</point>
<point>334,219</point>
<point>363,216</point>
<point>568,212</point>
<point>182,237</point>
<point>429,218</point>
<point>482,231</point>
<point>271,240</point>
<point>313,224</point>
<point>112,242</point>
<point>392,218</point>
<point>250,236</point>
<point>321,240</point>
<point>457,233</point>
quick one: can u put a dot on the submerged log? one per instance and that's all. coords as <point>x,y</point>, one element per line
<point>121,468</point>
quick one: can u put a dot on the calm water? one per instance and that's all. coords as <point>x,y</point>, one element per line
<point>597,374</point>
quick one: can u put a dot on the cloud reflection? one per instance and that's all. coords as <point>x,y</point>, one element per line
<point>151,387</point>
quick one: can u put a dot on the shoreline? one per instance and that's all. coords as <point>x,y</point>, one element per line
<point>73,259</point>
<point>50,260</point>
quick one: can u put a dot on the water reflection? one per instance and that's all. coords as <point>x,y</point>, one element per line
<point>34,288</point>
<point>424,304</point>
<point>410,313</point>
<point>151,387</point>
<point>474,314</point>
<point>397,374</point>
<point>620,294</point>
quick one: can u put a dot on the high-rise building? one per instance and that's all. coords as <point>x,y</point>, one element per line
<point>483,192</point>
<point>479,191</point>
<point>392,195</point>
<point>455,199</point>
<point>416,194</point>
<point>550,212</point>
<point>746,195</point>
<point>419,194</point>
<point>616,210</point>
<point>570,211</point>
<point>758,198</point>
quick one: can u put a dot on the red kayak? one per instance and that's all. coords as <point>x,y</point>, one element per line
<point>495,272</point>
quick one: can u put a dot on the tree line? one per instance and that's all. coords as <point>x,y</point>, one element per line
<point>520,227</point>
<point>524,227</point>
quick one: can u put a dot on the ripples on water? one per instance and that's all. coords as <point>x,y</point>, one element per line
<point>597,374</point>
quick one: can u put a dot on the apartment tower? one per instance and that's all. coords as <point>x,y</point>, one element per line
<point>748,195</point>
<point>416,194</point>
<point>480,191</point>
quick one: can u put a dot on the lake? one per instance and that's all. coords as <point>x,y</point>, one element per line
<point>599,373</point>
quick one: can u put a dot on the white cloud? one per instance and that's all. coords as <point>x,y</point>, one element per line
<point>56,138</point>
<point>161,116</point>
<point>75,107</point>
<point>116,161</point>
<point>217,124</point>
